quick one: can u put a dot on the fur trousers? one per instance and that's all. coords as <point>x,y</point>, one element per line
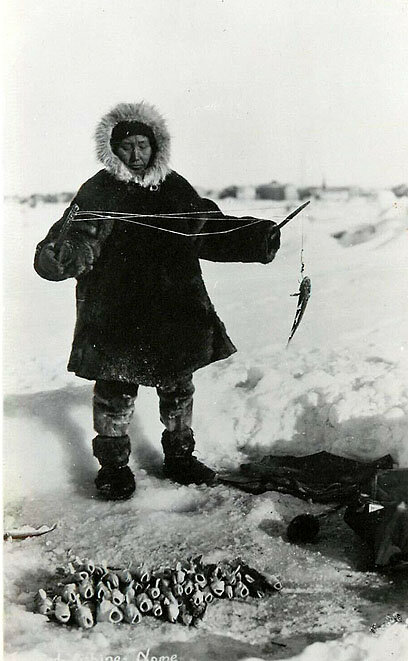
<point>113,406</point>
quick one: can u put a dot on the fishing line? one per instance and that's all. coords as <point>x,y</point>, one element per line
<point>302,264</point>
<point>178,214</point>
<point>169,231</point>
<point>76,215</point>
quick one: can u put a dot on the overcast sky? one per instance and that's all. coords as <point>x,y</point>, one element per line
<point>253,90</point>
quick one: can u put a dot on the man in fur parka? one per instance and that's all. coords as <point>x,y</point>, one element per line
<point>143,313</point>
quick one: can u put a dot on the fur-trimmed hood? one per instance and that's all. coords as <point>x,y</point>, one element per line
<point>130,112</point>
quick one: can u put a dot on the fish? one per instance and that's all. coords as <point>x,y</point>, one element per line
<point>131,614</point>
<point>61,611</point>
<point>157,609</point>
<point>106,611</point>
<point>86,589</point>
<point>305,289</point>
<point>117,597</point>
<point>143,603</point>
<point>171,610</point>
<point>42,602</point>
<point>27,531</point>
<point>83,616</point>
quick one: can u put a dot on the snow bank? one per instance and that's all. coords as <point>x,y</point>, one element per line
<point>341,384</point>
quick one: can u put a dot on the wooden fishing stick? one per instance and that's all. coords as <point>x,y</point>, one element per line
<point>69,217</point>
<point>293,214</point>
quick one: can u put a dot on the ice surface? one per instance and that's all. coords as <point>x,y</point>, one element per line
<point>340,386</point>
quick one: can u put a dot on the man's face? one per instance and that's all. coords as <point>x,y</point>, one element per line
<point>135,152</point>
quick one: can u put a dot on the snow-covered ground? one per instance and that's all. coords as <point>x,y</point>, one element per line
<point>340,386</point>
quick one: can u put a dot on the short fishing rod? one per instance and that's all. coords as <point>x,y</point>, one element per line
<point>293,214</point>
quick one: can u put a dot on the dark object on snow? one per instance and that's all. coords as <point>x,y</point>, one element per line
<point>321,477</point>
<point>87,593</point>
<point>303,528</point>
<point>180,464</point>
<point>380,516</point>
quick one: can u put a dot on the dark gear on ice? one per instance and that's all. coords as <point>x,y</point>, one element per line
<point>143,312</point>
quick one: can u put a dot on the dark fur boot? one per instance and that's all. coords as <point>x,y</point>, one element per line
<point>115,480</point>
<point>179,463</point>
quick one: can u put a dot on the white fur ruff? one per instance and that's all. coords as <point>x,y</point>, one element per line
<point>131,112</point>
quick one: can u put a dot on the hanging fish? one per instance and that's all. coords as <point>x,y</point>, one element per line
<point>305,289</point>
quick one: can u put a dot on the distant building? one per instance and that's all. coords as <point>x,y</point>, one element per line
<point>276,191</point>
<point>333,193</point>
<point>309,192</point>
<point>229,191</point>
<point>238,192</point>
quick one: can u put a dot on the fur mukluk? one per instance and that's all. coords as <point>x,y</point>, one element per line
<point>143,112</point>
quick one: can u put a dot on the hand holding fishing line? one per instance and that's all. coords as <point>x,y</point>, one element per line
<point>66,254</point>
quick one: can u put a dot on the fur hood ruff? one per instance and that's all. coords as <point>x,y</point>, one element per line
<point>130,112</point>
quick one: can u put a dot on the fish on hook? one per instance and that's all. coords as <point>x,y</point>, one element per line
<point>305,290</point>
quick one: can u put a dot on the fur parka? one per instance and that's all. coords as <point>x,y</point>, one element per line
<point>143,312</point>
